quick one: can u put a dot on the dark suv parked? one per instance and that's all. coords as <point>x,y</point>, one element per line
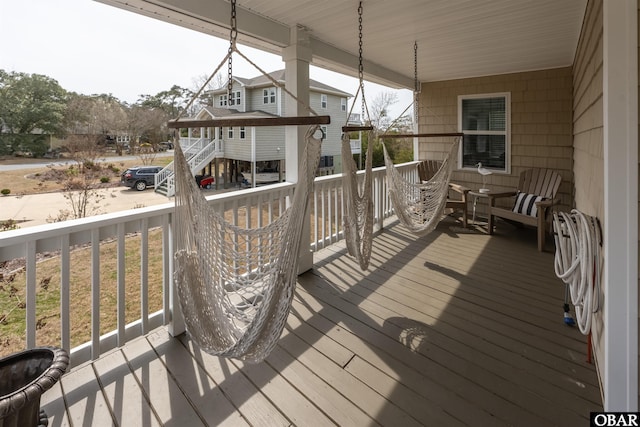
<point>140,177</point>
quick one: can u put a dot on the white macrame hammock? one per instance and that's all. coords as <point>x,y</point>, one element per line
<point>419,206</point>
<point>235,285</point>
<point>358,201</point>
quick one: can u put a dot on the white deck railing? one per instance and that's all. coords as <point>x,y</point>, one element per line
<point>91,233</point>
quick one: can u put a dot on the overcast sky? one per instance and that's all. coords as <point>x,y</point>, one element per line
<point>92,48</point>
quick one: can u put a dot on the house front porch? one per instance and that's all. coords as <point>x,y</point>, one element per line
<point>455,328</point>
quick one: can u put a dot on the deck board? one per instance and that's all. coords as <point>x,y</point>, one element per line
<point>85,401</point>
<point>203,393</point>
<point>121,390</point>
<point>165,396</point>
<point>455,328</point>
<point>340,410</point>
<point>435,371</point>
<point>53,404</point>
<point>242,393</point>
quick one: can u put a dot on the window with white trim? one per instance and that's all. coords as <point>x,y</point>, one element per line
<point>343,104</point>
<point>323,101</point>
<point>230,133</point>
<point>485,121</point>
<point>222,101</point>
<point>243,133</point>
<point>235,98</point>
<point>269,95</point>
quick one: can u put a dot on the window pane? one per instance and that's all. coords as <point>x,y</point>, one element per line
<point>483,114</point>
<point>487,149</point>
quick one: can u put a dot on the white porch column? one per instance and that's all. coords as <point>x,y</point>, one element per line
<point>297,57</point>
<point>620,108</point>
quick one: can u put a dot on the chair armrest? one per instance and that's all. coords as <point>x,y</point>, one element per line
<point>545,203</point>
<point>459,188</point>
<point>503,194</point>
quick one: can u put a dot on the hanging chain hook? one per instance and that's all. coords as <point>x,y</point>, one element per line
<point>415,67</point>
<point>360,65</point>
<point>233,35</point>
<point>416,84</point>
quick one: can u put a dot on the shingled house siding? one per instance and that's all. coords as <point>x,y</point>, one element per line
<point>541,124</point>
<point>588,133</point>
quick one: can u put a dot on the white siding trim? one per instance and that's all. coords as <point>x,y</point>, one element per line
<point>620,109</point>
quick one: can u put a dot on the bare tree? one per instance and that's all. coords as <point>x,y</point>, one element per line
<point>97,115</point>
<point>84,199</point>
<point>80,184</point>
<point>379,110</point>
<point>147,127</point>
<point>85,149</point>
<point>218,81</point>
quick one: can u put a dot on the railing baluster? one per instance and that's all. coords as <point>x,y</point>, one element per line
<point>95,293</point>
<point>342,213</point>
<point>144,262</point>
<point>121,283</point>
<point>31,293</point>
<point>172,312</point>
<point>337,213</point>
<point>65,306</point>
<point>323,216</point>
<point>314,224</point>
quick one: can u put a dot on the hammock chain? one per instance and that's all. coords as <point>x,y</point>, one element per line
<point>416,85</point>
<point>233,35</point>
<point>360,65</point>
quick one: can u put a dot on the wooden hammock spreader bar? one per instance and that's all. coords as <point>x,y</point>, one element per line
<point>419,135</point>
<point>346,129</point>
<point>251,121</point>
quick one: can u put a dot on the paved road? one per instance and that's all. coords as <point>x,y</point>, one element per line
<point>18,166</point>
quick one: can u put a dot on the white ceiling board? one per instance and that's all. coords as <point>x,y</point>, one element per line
<point>456,38</point>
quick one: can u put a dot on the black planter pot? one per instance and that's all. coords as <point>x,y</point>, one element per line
<point>24,376</point>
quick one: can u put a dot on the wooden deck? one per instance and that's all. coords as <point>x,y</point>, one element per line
<point>456,328</point>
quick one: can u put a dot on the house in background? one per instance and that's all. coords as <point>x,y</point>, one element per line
<point>255,155</point>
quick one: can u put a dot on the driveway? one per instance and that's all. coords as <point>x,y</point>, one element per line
<point>36,209</point>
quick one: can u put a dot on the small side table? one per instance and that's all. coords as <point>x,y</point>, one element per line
<point>477,194</point>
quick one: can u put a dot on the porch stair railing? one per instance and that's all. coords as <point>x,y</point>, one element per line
<point>198,155</point>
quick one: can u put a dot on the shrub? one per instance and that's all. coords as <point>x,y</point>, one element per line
<point>88,164</point>
<point>104,179</point>
<point>5,191</point>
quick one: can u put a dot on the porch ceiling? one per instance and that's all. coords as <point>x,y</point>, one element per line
<point>456,38</point>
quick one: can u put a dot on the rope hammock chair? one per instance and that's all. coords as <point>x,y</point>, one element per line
<point>235,285</point>
<point>358,202</point>
<point>357,195</point>
<point>419,206</point>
